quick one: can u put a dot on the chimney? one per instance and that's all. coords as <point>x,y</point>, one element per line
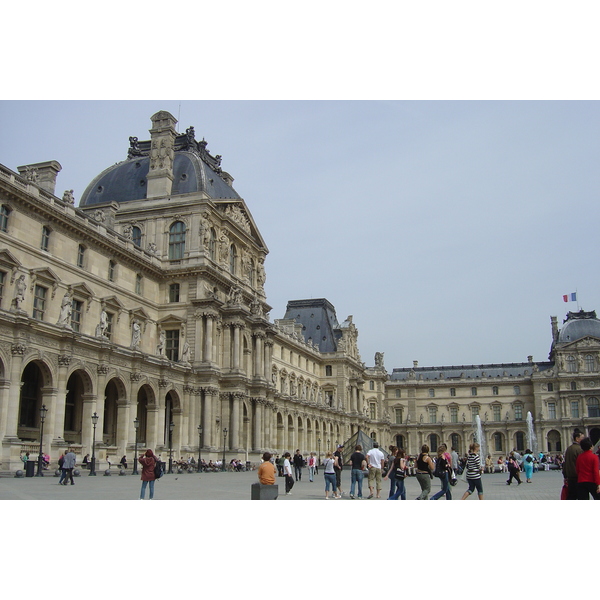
<point>162,154</point>
<point>415,364</point>
<point>554,322</point>
<point>42,174</point>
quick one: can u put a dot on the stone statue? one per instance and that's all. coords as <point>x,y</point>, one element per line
<point>185,353</point>
<point>205,226</point>
<point>68,197</point>
<point>261,275</point>
<point>66,308</point>
<point>103,325</point>
<point>136,335</point>
<point>152,247</point>
<point>379,359</point>
<point>162,339</point>
<point>20,287</point>
<point>128,231</point>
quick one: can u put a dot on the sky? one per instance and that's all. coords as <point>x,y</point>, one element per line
<point>450,230</point>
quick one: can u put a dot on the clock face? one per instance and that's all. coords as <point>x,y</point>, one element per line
<point>591,384</point>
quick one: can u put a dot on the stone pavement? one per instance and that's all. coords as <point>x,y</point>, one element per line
<point>546,485</point>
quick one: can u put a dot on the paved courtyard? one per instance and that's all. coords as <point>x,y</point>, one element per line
<point>546,485</point>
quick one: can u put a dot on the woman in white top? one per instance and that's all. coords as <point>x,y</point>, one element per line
<point>287,472</point>
<point>329,463</point>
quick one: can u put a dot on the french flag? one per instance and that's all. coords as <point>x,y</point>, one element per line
<point>570,297</point>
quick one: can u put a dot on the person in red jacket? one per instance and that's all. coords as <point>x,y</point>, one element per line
<point>587,467</point>
<point>148,460</point>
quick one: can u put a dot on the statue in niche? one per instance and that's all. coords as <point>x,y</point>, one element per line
<point>68,197</point>
<point>235,296</point>
<point>162,340</point>
<point>66,308</point>
<point>261,275</point>
<point>185,353</point>
<point>136,335</point>
<point>223,248</point>
<point>204,231</point>
<point>20,287</point>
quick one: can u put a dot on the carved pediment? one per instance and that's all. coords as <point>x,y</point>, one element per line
<point>171,320</point>
<point>44,275</point>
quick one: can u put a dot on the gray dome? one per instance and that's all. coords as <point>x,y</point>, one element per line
<point>194,170</point>
<point>578,328</point>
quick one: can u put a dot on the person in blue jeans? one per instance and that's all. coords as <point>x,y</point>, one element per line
<point>397,470</point>
<point>442,470</point>
<point>359,462</point>
<point>330,480</point>
<point>148,461</point>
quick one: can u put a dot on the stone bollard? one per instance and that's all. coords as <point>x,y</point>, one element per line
<point>57,473</point>
<point>107,473</point>
<point>76,473</point>
<point>259,491</point>
<point>19,473</point>
<point>122,472</point>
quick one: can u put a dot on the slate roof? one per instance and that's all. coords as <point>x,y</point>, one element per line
<point>319,321</point>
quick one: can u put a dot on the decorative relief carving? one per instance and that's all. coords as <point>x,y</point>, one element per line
<point>234,212</point>
<point>134,377</point>
<point>18,349</point>
<point>162,383</point>
<point>64,360</point>
<point>103,369</point>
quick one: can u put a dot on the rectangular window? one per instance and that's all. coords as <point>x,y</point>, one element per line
<point>172,344</point>
<point>398,393</point>
<point>431,393</point>
<point>474,411</point>
<point>111,270</point>
<point>473,391</point>
<point>575,409</point>
<point>371,385</point>
<point>138,284</point>
<point>518,412</point>
<point>398,412</point>
<point>174,292</point>
<point>109,324</point>
<point>45,238</point>
<point>80,256</point>
<point>77,310</point>
<point>373,410</point>
<point>39,302</point>
<point>550,387</point>
<point>551,410</point>
<point>4,212</point>
<point>453,392</point>
<point>497,413</point>
<point>432,414</point>
<point>453,414</point>
<point>328,370</point>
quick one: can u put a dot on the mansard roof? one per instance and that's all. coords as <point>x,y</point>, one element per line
<point>467,371</point>
<point>320,324</point>
<point>194,170</point>
<point>579,325</point>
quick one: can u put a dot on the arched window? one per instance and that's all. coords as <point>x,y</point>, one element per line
<point>520,441</point>
<point>433,442</point>
<point>455,442</point>
<point>571,364</point>
<point>590,363</point>
<point>498,442</point>
<point>136,236</point>
<point>176,240</point>
<point>232,259</point>
<point>593,407</point>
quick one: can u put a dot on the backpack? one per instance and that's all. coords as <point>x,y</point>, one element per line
<point>440,467</point>
<point>158,471</point>
<point>529,459</point>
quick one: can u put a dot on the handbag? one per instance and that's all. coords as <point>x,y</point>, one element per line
<point>453,480</point>
<point>463,475</point>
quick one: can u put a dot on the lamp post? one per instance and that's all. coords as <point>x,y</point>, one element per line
<point>136,425</point>
<point>199,447</point>
<point>93,466</point>
<point>223,468</point>
<point>319,447</point>
<point>43,412</point>
<point>171,427</point>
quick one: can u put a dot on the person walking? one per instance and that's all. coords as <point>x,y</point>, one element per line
<point>339,465</point>
<point>329,472</point>
<point>312,461</point>
<point>287,473</point>
<point>359,462</point>
<point>424,473</point>
<point>569,470</point>
<point>398,468</point>
<point>68,466</point>
<point>528,461</point>
<point>513,469</point>
<point>588,472</point>
<point>375,458</point>
<point>148,461</point>
<point>298,461</point>
<point>443,464</point>
<point>474,471</point>
<point>390,470</point>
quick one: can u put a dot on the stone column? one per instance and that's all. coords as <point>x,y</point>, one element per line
<point>152,423</point>
<point>208,339</point>
<point>268,358</point>
<point>198,345</point>
<point>236,345</point>
<point>11,420</point>
<point>234,434</point>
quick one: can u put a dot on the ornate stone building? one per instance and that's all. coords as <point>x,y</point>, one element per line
<point>145,306</point>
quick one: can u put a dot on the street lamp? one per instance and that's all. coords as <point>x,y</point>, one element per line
<point>319,447</point>
<point>43,412</point>
<point>93,467</point>
<point>171,427</point>
<point>136,425</point>
<point>224,441</point>
<point>199,447</point>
